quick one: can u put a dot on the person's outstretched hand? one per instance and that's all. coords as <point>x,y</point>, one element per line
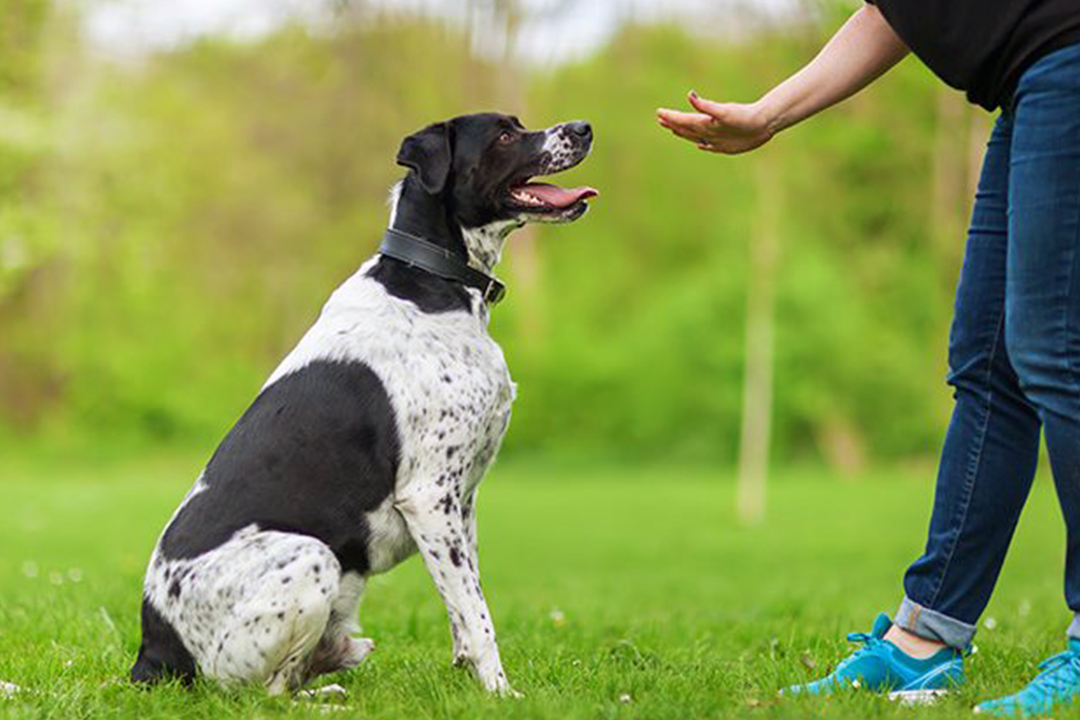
<point>729,128</point>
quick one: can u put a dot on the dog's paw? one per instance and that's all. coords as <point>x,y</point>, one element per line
<point>326,691</point>
<point>323,700</point>
<point>500,686</point>
<point>358,649</point>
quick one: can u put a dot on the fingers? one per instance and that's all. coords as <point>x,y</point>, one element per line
<point>672,115</point>
<point>714,110</point>
<point>692,137</point>
<point>693,123</point>
<point>724,128</point>
<point>683,132</point>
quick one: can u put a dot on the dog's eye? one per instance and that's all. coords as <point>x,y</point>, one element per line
<point>506,138</point>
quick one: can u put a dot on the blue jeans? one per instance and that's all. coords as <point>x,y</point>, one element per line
<point>1014,359</point>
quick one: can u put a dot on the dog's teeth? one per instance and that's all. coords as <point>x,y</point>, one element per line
<point>527,198</point>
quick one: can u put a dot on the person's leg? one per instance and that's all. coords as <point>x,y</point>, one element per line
<point>991,447</point>
<point>986,469</point>
<point>1043,291</point>
<point>1042,318</point>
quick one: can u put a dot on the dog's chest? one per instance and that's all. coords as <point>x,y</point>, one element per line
<point>447,382</point>
<point>452,396</point>
<point>453,403</point>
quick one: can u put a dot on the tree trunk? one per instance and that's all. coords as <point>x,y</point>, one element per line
<point>760,330</point>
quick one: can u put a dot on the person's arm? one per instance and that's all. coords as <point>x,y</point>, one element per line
<point>859,53</point>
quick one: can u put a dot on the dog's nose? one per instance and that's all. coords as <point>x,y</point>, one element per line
<point>580,128</point>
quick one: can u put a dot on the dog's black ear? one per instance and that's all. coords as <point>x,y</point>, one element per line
<point>428,153</point>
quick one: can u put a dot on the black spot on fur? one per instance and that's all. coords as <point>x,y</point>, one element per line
<point>455,556</point>
<point>174,589</point>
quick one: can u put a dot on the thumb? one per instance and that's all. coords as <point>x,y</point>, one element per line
<point>715,109</point>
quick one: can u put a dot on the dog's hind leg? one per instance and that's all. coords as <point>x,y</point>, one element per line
<point>339,648</point>
<point>288,589</point>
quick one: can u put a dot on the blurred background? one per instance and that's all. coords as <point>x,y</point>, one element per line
<point>182,184</point>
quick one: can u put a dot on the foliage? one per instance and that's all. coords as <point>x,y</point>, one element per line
<point>194,211</point>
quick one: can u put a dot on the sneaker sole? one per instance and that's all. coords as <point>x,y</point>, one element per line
<point>917,697</point>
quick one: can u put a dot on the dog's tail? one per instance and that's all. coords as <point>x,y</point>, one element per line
<point>162,655</point>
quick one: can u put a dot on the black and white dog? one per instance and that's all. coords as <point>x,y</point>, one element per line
<point>368,441</point>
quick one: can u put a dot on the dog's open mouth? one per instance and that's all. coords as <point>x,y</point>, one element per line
<point>548,198</point>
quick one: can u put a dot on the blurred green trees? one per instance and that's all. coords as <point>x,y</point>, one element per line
<point>25,228</point>
<point>170,227</point>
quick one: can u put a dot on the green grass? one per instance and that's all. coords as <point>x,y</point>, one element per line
<point>604,583</point>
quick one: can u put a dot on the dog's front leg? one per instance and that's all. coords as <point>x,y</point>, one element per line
<point>436,525</point>
<point>472,556</point>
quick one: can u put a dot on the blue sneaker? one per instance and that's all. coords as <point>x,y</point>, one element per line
<point>880,666</point>
<point>1057,685</point>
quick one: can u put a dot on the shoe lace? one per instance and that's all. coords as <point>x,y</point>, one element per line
<point>869,643</point>
<point>1060,674</point>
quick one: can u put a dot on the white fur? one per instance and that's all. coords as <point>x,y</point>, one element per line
<point>393,200</point>
<point>253,608</point>
<point>485,244</point>
<point>561,148</point>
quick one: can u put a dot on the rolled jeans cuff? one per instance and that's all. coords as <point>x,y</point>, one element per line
<point>934,626</point>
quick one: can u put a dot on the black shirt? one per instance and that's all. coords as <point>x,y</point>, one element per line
<point>983,46</point>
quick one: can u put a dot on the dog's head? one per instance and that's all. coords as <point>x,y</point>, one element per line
<point>480,169</point>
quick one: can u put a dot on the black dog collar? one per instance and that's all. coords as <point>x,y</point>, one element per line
<point>439,261</point>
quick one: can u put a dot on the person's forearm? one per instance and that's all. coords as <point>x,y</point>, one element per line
<point>859,53</point>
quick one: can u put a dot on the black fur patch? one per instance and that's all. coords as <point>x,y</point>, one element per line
<point>316,451</point>
<point>431,293</point>
<point>161,655</point>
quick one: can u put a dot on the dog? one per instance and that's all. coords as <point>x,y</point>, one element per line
<point>367,443</point>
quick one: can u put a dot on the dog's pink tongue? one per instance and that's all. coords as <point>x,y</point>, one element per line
<point>556,196</point>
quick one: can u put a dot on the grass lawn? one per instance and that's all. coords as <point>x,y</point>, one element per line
<point>621,593</point>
